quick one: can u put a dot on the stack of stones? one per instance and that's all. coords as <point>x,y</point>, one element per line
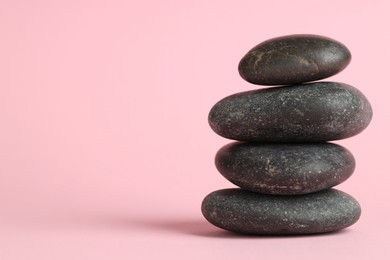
<point>283,164</point>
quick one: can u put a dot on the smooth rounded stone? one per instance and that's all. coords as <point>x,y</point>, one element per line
<point>285,169</point>
<point>294,59</point>
<point>248,212</point>
<point>312,112</point>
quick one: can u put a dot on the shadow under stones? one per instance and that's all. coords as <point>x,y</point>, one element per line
<point>202,228</point>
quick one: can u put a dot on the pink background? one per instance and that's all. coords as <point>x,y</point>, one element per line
<point>105,149</point>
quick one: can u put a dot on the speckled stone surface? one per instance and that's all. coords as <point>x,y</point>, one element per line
<point>312,112</point>
<point>248,212</point>
<point>293,59</point>
<point>285,169</point>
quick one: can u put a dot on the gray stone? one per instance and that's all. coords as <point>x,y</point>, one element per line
<point>312,112</point>
<point>248,212</point>
<point>285,169</point>
<point>294,59</point>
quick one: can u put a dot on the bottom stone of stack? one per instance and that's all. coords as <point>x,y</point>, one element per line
<point>248,212</point>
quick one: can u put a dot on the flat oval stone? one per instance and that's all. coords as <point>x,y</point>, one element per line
<point>248,212</point>
<point>285,169</point>
<point>312,112</point>
<point>294,59</point>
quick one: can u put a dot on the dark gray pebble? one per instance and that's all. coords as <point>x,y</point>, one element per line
<point>248,212</point>
<point>313,112</point>
<point>294,59</point>
<point>285,169</point>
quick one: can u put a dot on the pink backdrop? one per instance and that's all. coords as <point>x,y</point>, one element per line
<point>105,149</point>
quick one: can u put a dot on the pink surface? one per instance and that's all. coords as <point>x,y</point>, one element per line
<point>105,149</point>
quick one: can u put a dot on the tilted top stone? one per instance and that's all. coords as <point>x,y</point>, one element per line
<point>294,59</point>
